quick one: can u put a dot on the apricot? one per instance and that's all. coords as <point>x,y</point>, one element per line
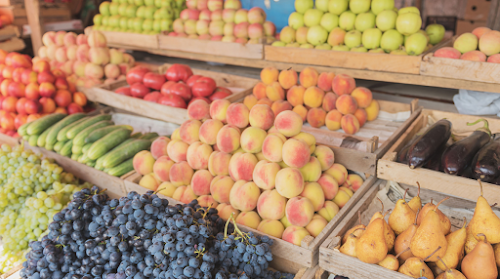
<point>275,92</point>
<point>220,187</point>
<point>272,148</point>
<point>302,111</point>
<point>317,224</point>
<point>289,182</point>
<point>329,210</point>
<point>271,227</point>
<point>179,191</point>
<point>343,84</point>
<point>207,201</point>
<point>228,139</point>
<point>271,205</point>
<point>325,81</point>
<point>200,183</point>
<point>299,211</point>
<point>226,210</point>
<point>259,90</point>
<point>349,124</point>
<point>198,154</point>
<point>261,116</point>
<point>346,104</point>
<point>265,101</point>
<point>316,117</point>
<point>329,101</point>
<point>285,222</point>
<point>312,170</point>
<point>329,185</point>
<point>325,156</point>
<point>143,162</point>
<point>244,195</point>
<point>159,147</point>
<point>372,110</point>
<point>218,163</point>
<point>296,153</point>
<point>269,75</point>
<point>237,115</point>
<point>198,109</point>
<point>166,189</point>
<point>354,181</point>
<point>313,97</point>
<point>188,195</point>
<point>149,181</point>
<point>218,109</point>
<point>161,168</point>
<point>342,197</point>
<point>338,172</point>
<point>250,219</point>
<point>241,166</point>
<point>314,193</point>
<point>295,95</point>
<point>288,123</point>
<point>332,120</point>
<point>308,77</point>
<point>294,234</point>
<point>287,78</point>
<point>280,106</point>
<point>181,174</point>
<point>176,134</point>
<point>363,96</point>
<point>361,116</point>
<point>189,131</point>
<point>264,174</point>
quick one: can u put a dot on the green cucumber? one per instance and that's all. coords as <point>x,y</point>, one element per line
<point>90,164</point>
<point>52,136</point>
<point>136,135</point>
<point>41,139</point>
<point>66,150</point>
<point>58,146</point>
<point>149,136</point>
<point>83,159</point>
<point>22,130</point>
<point>80,138</point>
<point>86,147</point>
<point>102,132</point>
<point>106,143</point>
<point>122,168</point>
<point>79,158</point>
<point>118,155</point>
<point>76,149</point>
<point>41,124</point>
<point>61,136</point>
<point>74,157</point>
<point>73,132</point>
<point>32,140</point>
<point>98,163</point>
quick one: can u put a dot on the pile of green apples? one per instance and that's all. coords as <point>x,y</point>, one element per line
<point>359,26</point>
<point>138,16</point>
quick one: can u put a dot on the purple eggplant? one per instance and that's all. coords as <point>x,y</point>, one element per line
<point>486,163</point>
<point>426,145</point>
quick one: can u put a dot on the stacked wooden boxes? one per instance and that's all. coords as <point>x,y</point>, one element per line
<point>9,33</point>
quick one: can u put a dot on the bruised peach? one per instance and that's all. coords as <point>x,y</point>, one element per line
<point>339,172</point>
<point>309,139</point>
<point>299,211</point>
<point>220,186</point>
<point>259,90</point>
<point>201,182</point>
<point>349,124</point>
<point>317,224</point>
<point>346,104</point>
<point>265,101</point>
<point>237,115</point>
<point>166,189</point>
<point>296,153</point>
<point>250,219</point>
<point>241,166</point>
<point>177,150</point>
<point>372,111</point>
<point>271,227</point>
<point>250,101</point>
<point>198,154</point>
<point>149,181</point>
<point>252,139</point>
<point>226,210</point>
<point>207,201</point>
<point>329,101</point>
<point>302,111</point>
<point>161,168</point>
<point>218,163</point>
<point>295,95</point>
<point>343,84</point>
<point>363,96</point>
<point>361,116</point>
<point>228,139</point>
<point>209,130</point>
<point>342,197</point>
<point>313,97</point>
<point>264,174</point>
<point>271,205</point>
<point>218,109</point>
<point>280,106</point>
<point>275,92</point>
<point>332,120</point>
<point>354,181</point>
<point>143,162</point>
<point>288,123</point>
<point>325,81</point>
<point>190,130</point>
<point>287,78</point>
<point>272,148</point>
<point>314,193</point>
<point>316,117</point>
<point>261,116</point>
<point>244,195</point>
<point>181,174</point>
<point>329,210</point>
<point>308,77</point>
<point>199,110</point>
<point>294,234</point>
<point>269,75</point>
<point>188,195</point>
<point>289,182</point>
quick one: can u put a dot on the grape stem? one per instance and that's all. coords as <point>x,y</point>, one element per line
<point>236,228</point>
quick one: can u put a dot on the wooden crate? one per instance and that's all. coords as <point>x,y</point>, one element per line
<point>287,256</point>
<point>466,188</point>
<point>14,44</point>
<point>13,273</point>
<point>8,140</point>
<point>353,60</point>
<point>249,51</point>
<point>241,86</point>
<point>9,31</point>
<point>128,39</point>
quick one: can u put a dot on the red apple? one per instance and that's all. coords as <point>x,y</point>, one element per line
<point>48,105</point>
<point>136,74</point>
<point>218,95</point>
<point>153,81</point>
<point>9,104</point>
<point>203,87</point>
<point>63,98</point>
<point>1,101</point>
<point>41,65</point>
<point>17,74</point>
<point>16,89</point>
<point>167,87</point>
<point>123,91</point>
<point>46,76</point>
<point>80,99</point>
<point>138,90</point>
<point>152,97</point>
<point>181,90</point>
<point>7,122</point>
<point>31,91</point>
<point>7,71</point>
<point>29,76</point>
<point>47,89</point>
<point>33,117</point>
<point>61,83</point>
<point>200,98</point>
<point>61,110</point>
<point>178,72</point>
<point>32,106</point>
<point>20,120</point>
<point>20,105</point>
<point>3,54</point>
<point>74,108</point>
<point>192,79</point>
<point>58,73</point>
<point>4,86</point>
<point>172,100</point>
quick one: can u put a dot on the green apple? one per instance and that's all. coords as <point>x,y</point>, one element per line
<point>306,46</point>
<point>466,42</point>
<point>131,2</point>
<point>166,13</point>
<point>113,8</point>
<point>98,20</point>
<point>371,38</point>
<point>386,20</point>
<point>435,32</point>
<point>114,21</point>
<point>149,12</point>
<point>324,46</point>
<point>140,12</point>
<point>104,8</point>
<point>425,34</point>
<point>391,40</point>
<point>166,24</point>
<point>105,20</point>
<point>131,11</point>
<point>376,50</point>
<point>296,20</point>
<point>130,23</point>
<point>147,24</point>
<point>405,10</point>
<point>139,2</point>
<point>337,7</point>
<point>157,25</point>
<point>346,20</point>
<point>312,17</point>
<point>157,14</point>
<point>381,5</point>
<point>316,35</point>
<point>408,23</point>
<point>359,49</point>
<point>301,35</point>
<point>278,44</point>
<point>287,35</point>
<point>329,21</point>
<point>359,6</point>
<point>165,3</point>
<point>399,52</point>
<point>124,22</point>
<point>322,5</point>
<point>138,24</point>
<point>364,21</point>
<point>123,1</point>
<point>149,2</point>
<point>122,9</point>
<point>293,45</point>
<point>302,6</point>
<point>416,44</point>
<point>352,38</point>
<point>341,48</point>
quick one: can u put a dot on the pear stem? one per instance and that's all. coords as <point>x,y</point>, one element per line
<point>440,202</point>
<point>382,203</point>
<point>447,268</point>
<point>432,253</point>
<point>480,186</point>
<point>493,205</point>
<point>416,217</point>
<point>400,253</point>
<point>383,217</point>
<point>482,234</point>
<point>404,195</point>
<point>353,235</point>
<point>418,193</point>
<point>465,222</point>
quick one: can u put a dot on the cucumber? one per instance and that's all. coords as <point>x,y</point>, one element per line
<point>58,146</point>
<point>41,124</point>
<point>118,155</point>
<point>102,132</point>
<point>71,134</point>
<point>32,140</point>
<point>76,149</point>
<point>79,158</point>
<point>22,130</point>
<point>49,147</point>
<point>66,150</point>
<point>106,143</point>
<point>61,136</point>
<point>98,163</point>
<point>86,147</point>
<point>26,137</point>
<point>83,159</point>
<point>80,138</point>
<point>41,139</point>
<point>90,164</point>
<point>122,168</point>
<point>136,135</point>
<point>52,136</point>
<point>149,136</point>
<point>74,157</point>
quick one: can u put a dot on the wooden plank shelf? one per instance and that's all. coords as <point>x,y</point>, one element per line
<point>128,39</point>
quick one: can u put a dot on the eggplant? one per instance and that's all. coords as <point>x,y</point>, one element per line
<point>402,156</point>
<point>426,145</point>
<point>459,155</point>
<point>435,163</point>
<point>486,163</point>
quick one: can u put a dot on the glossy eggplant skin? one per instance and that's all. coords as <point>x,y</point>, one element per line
<point>486,163</point>
<point>426,145</point>
<point>460,154</point>
<point>435,163</point>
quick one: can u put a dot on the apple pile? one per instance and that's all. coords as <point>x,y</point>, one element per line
<point>482,45</point>
<point>86,60</point>
<point>178,87</point>
<point>29,90</point>
<point>217,20</point>
<point>262,169</point>
<point>138,16</point>
<point>360,26</point>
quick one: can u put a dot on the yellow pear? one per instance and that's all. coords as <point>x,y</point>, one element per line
<point>349,247</point>
<point>470,241</point>
<point>454,252</point>
<point>402,216</point>
<point>390,262</point>
<point>480,262</point>
<point>496,248</point>
<point>402,243</point>
<point>450,273</point>
<point>485,221</point>
<point>416,203</point>
<point>416,268</point>
<point>356,229</point>
<point>371,246</point>
<point>390,237</point>
<point>445,222</point>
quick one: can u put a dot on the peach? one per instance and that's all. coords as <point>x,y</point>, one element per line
<point>143,162</point>
<point>316,117</point>
<point>342,197</point>
<point>199,110</point>
<point>225,211</point>
<point>201,182</point>
<point>209,130</point>
<point>354,181</point>
<point>361,115</point>
<point>259,90</point>
<point>250,101</point>
<point>179,191</point>
<point>294,234</point>
<point>271,227</point>
<point>447,52</point>
<point>309,139</point>
<point>329,101</point>
<point>188,195</point>
<point>220,187</point>
<point>250,219</point>
<point>289,182</point>
<point>332,120</point>
<point>325,81</point>
<point>302,111</point>
<point>314,193</point>
<point>295,95</point>
<point>312,170</point>
<point>275,92</point>
<point>198,154</point>
<point>317,224</point>
<point>372,110</point>
<point>285,222</point>
<point>363,96</point>
<point>228,139</point>
<point>181,174</point>
<point>161,168</point>
<point>177,150</point>
<point>346,104</point>
<point>271,205</point>
<point>288,123</point>
<point>218,109</point>
<point>308,77</point>
<point>299,211</point>
<point>495,58</point>
<point>176,134</point>
<point>159,147</point>
<point>296,153</point>
<point>269,75</point>
<point>343,84</point>
<point>479,31</point>
<point>280,105</point>
<point>241,166</point>
<point>149,181</point>
<point>474,55</point>
<point>261,116</point>
<point>349,124</point>
<point>218,163</point>
<point>237,115</point>
<point>288,78</point>
<point>244,195</point>
<point>265,101</point>
<point>252,139</point>
<point>325,156</point>
<point>207,201</point>
<point>166,189</point>
<point>338,172</point>
<point>489,43</point>
<point>272,148</point>
<point>264,174</point>
<point>329,185</point>
<point>189,131</point>
<point>329,210</point>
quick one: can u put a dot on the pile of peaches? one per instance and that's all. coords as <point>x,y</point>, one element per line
<point>253,164</point>
<point>320,99</point>
<point>29,90</point>
<point>178,87</point>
